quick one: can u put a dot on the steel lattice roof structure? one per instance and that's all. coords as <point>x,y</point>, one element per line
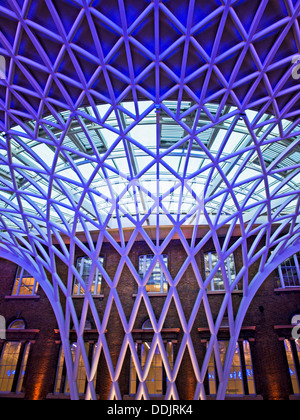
<point>120,116</point>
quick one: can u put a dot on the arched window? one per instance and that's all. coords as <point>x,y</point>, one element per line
<point>147,325</point>
<point>88,326</point>
<point>17,324</point>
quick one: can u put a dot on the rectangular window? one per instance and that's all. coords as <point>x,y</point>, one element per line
<point>25,284</point>
<point>157,282</point>
<point>249,368</point>
<point>155,381</point>
<point>289,272</point>
<point>84,267</point>
<point>217,283</point>
<point>13,366</point>
<point>239,375</point>
<point>293,357</point>
<point>62,385</point>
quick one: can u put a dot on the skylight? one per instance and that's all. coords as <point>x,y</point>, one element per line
<point>120,168</point>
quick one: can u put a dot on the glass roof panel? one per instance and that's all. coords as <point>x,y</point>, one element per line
<point>121,149</point>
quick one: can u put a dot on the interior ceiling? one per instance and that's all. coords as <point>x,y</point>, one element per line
<point>65,54</point>
<point>102,101</point>
<point>126,120</point>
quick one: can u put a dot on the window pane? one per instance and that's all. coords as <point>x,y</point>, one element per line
<point>133,376</point>
<point>154,378</point>
<point>59,378</point>
<point>157,282</point>
<point>62,382</point>
<point>8,365</point>
<point>170,354</point>
<point>154,381</point>
<point>212,381</point>
<point>25,284</point>
<point>16,287</point>
<point>81,375</point>
<point>210,261</point>
<point>18,324</point>
<point>249,368</point>
<point>292,366</point>
<point>23,367</point>
<point>84,267</point>
<point>289,272</point>
<point>236,380</point>
<point>27,287</point>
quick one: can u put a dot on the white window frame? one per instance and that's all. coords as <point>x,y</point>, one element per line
<point>286,281</point>
<point>144,263</point>
<point>231,276</point>
<point>20,285</point>
<point>78,289</point>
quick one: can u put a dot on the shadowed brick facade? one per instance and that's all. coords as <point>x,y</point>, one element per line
<point>265,327</point>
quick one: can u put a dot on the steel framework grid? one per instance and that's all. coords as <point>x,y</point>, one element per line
<point>81,78</point>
